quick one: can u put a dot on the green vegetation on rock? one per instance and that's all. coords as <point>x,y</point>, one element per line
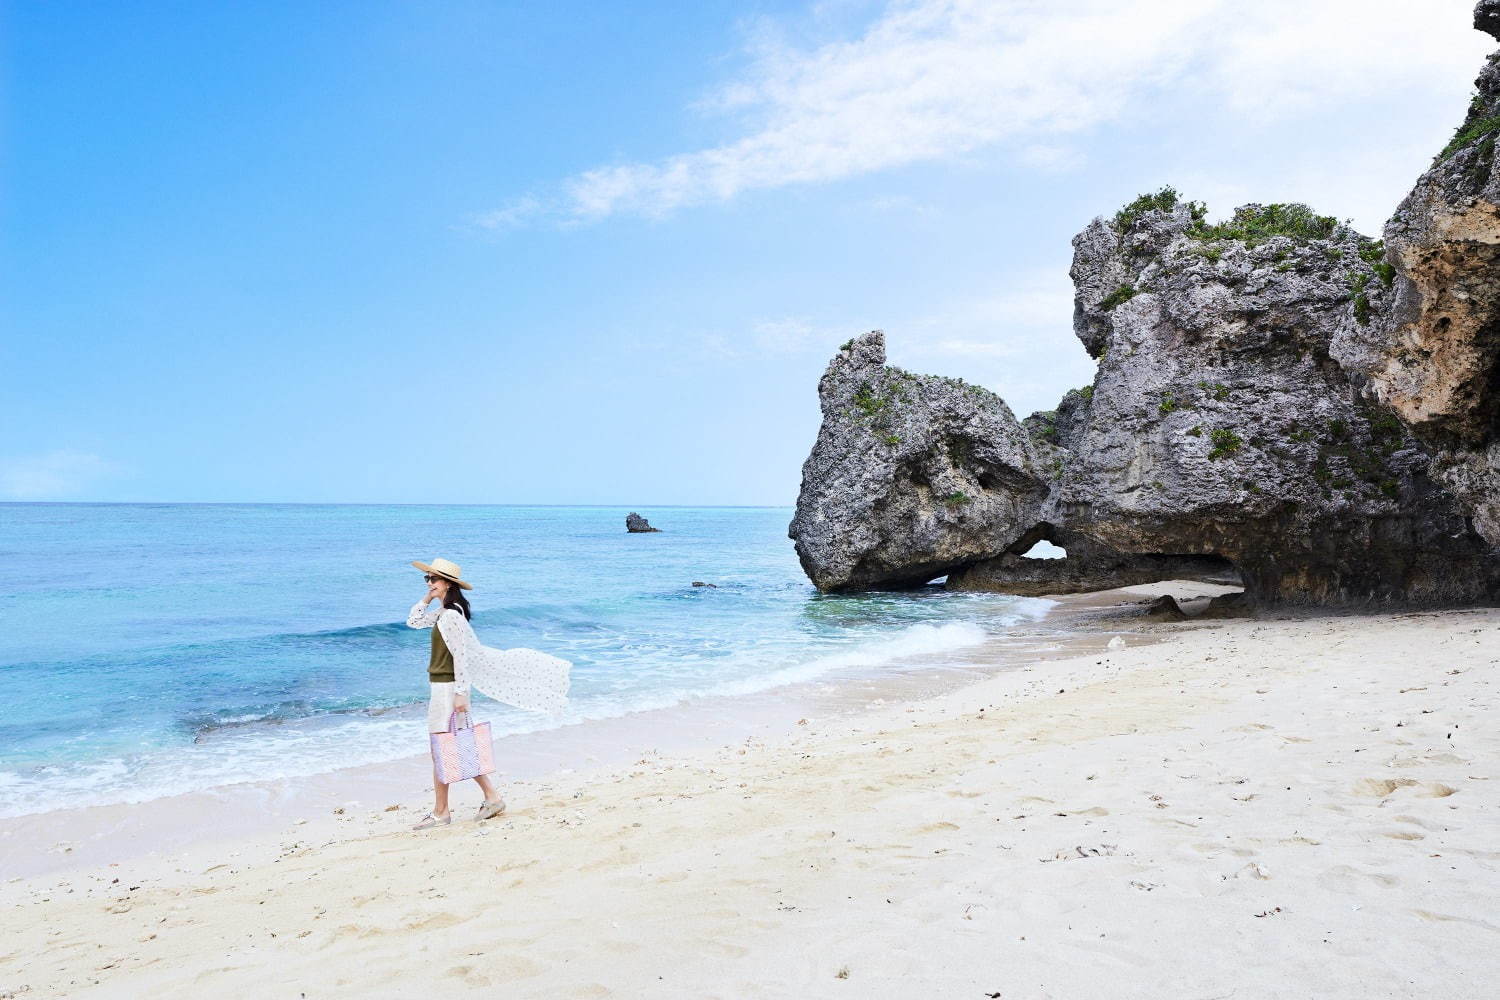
<point>1255,224</point>
<point>1161,201</point>
<point>1048,419</point>
<point>1120,295</point>
<point>1475,127</point>
<point>869,403</point>
<point>1226,443</point>
<point>1374,255</point>
<point>1357,282</point>
<point>1215,390</point>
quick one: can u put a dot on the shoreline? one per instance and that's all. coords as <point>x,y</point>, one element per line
<point>1273,806</point>
<point>244,814</point>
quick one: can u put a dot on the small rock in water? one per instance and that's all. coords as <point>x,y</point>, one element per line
<point>700,583</point>
<point>1117,643</point>
<point>636,524</point>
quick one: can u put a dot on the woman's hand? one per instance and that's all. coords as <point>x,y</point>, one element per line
<point>461,703</point>
<point>432,594</point>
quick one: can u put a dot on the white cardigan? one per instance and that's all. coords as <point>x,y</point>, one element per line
<point>525,678</point>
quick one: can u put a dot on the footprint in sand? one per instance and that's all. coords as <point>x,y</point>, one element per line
<point>936,827</point>
<point>1403,835</point>
<point>1379,788</point>
<point>1436,790</point>
<point>470,975</point>
<point>436,922</point>
<point>1348,879</point>
<point>509,967</point>
<point>1429,915</point>
<point>1384,787</point>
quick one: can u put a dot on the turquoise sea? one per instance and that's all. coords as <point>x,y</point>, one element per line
<point>150,649</point>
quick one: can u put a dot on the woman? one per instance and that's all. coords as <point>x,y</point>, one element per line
<point>521,677</point>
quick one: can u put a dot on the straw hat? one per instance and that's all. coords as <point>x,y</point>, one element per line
<point>444,569</point>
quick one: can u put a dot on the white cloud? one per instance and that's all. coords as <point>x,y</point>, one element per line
<point>1017,340</point>
<point>56,475</point>
<point>782,336</point>
<point>1285,56</point>
<point>933,80</point>
<point>516,213</point>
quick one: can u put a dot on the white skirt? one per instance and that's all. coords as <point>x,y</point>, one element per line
<point>439,706</point>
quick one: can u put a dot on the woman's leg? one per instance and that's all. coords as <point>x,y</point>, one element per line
<point>490,795</point>
<point>439,705</point>
<point>439,795</point>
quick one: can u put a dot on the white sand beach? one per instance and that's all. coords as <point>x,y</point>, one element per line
<point>1296,806</point>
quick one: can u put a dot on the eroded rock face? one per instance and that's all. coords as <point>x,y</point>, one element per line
<point>1319,409</point>
<point>1220,424</point>
<point>1220,437</point>
<point>1430,348</point>
<point>1487,17</point>
<point>911,475</point>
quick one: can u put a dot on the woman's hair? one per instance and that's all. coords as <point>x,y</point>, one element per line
<point>456,599</point>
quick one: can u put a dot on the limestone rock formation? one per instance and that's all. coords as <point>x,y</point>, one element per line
<point>1220,437</point>
<point>1487,17</point>
<point>636,524</point>
<point>1276,394</point>
<point>1220,424</point>
<point>911,475</point>
<point>1431,347</point>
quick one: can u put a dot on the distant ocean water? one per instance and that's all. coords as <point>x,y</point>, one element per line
<point>151,649</point>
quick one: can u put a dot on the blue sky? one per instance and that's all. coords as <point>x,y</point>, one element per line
<point>600,253</point>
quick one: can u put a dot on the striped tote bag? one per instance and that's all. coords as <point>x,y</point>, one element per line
<point>463,751</point>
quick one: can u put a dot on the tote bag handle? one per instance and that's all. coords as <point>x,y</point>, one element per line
<point>468,723</point>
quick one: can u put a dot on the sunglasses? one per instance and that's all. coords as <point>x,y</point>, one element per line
<point>432,579</point>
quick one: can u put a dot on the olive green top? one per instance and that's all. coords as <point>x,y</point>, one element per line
<point>440,667</point>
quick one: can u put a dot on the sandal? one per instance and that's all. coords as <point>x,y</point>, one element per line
<point>489,810</point>
<point>432,821</point>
